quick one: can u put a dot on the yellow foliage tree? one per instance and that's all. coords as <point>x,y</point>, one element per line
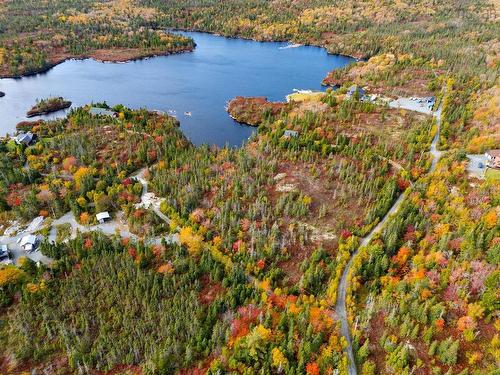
<point>10,275</point>
<point>475,310</point>
<point>263,332</point>
<point>85,218</point>
<point>191,240</point>
<point>80,174</point>
<point>81,202</point>
<point>437,190</point>
<point>491,219</point>
<point>35,288</point>
<point>279,360</point>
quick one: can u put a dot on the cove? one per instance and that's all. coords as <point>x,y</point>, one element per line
<point>198,83</point>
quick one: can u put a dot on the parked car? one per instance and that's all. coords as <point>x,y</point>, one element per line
<point>5,255</point>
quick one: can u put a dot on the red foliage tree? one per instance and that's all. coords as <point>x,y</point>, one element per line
<point>312,368</point>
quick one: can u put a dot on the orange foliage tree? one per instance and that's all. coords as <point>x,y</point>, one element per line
<point>312,368</point>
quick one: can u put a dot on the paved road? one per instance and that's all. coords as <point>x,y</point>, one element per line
<point>341,307</point>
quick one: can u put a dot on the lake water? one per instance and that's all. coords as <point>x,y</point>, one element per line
<point>201,82</point>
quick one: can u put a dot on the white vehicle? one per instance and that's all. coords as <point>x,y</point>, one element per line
<point>30,243</point>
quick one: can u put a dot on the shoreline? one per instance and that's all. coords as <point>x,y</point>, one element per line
<point>249,110</point>
<point>303,44</point>
<point>143,56</point>
<point>241,122</point>
<point>34,112</point>
<point>54,63</point>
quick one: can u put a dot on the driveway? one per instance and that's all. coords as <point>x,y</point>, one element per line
<point>115,226</point>
<point>411,105</point>
<point>341,306</point>
<point>16,251</point>
<point>477,165</point>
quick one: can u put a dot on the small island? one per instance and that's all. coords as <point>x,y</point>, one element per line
<point>251,111</point>
<point>2,94</point>
<point>45,106</point>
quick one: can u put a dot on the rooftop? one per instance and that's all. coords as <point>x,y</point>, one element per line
<point>24,137</point>
<point>290,133</point>
<point>102,215</point>
<point>494,153</point>
<point>101,112</point>
<point>355,88</point>
<point>30,239</point>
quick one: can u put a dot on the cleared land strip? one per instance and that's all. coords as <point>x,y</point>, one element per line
<point>341,307</point>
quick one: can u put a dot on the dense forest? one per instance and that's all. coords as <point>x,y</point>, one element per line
<point>35,36</point>
<point>235,266</point>
<point>270,249</point>
<point>429,289</point>
<point>462,37</point>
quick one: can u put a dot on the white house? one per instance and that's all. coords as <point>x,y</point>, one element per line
<point>102,217</point>
<point>290,134</point>
<point>29,242</point>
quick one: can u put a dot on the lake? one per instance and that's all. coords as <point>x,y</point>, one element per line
<point>200,82</point>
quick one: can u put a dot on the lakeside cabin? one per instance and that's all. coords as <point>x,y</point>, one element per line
<point>353,90</point>
<point>493,158</point>
<point>25,139</point>
<point>102,217</point>
<point>96,111</point>
<point>29,243</point>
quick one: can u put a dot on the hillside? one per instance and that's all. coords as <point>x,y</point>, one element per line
<point>230,260</point>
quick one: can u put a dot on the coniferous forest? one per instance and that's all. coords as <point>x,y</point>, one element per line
<point>223,260</point>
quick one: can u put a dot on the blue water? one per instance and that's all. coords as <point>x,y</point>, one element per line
<point>201,82</point>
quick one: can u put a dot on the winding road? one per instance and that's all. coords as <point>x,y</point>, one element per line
<point>341,307</point>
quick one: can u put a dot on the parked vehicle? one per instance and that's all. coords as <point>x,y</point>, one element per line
<point>5,255</point>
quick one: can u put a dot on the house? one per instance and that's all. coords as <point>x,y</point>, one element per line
<point>290,134</point>
<point>493,158</point>
<point>102,217</point>
<point>29,243</point>
<point>25,138</point>
<point>353,90</point>
<point>95,111</point>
